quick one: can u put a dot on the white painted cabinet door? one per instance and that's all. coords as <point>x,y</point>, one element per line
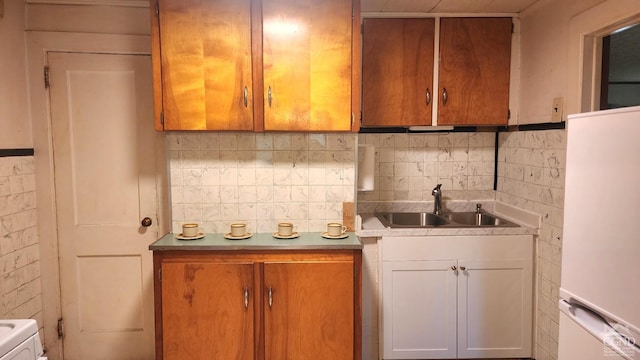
<point>494,308</point>
<point>419,309</point>
<point>105,184</point>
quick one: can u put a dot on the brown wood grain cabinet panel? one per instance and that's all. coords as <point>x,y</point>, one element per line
<point>206,64</point>
<point>475,58</point>
<point>310,313</point>
<point>315,311</point>
<point>397,71</point>
<point>307,64</point>
<point>204,313</point>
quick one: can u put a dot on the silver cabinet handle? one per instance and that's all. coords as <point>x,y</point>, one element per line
<point>246,97</point>
<point>270,297</point>
<point>269,96</point>
<point>246,298</point>
<point>445,96</point>
<point>428,97</point>
<point>454,268</point>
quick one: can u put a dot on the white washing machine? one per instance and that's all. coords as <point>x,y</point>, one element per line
<point>19,340</point>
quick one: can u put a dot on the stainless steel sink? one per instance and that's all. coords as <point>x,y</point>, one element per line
<point>475,219</point>
<point>411,219</point>
<point>449,220</point>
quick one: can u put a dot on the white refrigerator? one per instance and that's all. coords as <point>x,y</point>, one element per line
<point>600,282</point>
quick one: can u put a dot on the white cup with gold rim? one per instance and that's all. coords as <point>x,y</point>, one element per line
<point>285,229</point>
<point>190,230</point>
<point>336,229</point>
<point>238,229</point>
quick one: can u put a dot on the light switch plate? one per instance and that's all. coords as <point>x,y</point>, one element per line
<point>556,109</point>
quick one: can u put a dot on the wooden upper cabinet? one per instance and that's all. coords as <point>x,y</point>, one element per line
<point>202,64</point>
<point>283,65</point>
<point>475,58</point>
<point>307,64</point>
<point>397,71</point>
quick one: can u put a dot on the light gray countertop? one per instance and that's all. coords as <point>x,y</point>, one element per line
<point>262,241</point>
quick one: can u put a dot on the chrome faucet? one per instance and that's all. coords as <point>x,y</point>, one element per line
<point>437,195</point>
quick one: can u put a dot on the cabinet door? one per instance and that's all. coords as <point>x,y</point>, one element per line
<point>475,57</point>
<point>419,309</point>
<point>397,72</point>
<point>309,310</point>
<point>204,311</point>
<point>307,64</point>
<point>205,64</point>
<point>494,309</point>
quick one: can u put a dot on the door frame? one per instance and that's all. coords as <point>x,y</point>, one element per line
<point>38,45</point>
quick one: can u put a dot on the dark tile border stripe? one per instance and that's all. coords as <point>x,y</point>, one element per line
<point>16,152</point>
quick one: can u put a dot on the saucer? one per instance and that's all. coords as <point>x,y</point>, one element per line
<point>292,236</point>
<point>242,237</point>
<point>341,236</point>
<point>182,237</point>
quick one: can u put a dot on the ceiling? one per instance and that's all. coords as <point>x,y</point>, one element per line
<point>446,6</point>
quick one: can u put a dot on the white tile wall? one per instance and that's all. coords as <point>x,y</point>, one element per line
<point>260,179</point>
<point>20,284</point>
<point>408,166</point>
<point>531,169</point>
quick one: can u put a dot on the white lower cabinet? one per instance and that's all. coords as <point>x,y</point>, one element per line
<point>448,297</point>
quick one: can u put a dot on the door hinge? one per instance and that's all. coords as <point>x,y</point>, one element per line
<point>60,328</point>
<point>46,77</point>
<point>157,10</point>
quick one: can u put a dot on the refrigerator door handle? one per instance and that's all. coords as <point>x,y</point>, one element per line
<point>611,336</point>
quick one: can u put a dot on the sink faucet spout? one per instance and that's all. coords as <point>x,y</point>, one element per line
<point>437,196</point>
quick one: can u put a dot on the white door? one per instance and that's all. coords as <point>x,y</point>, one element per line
<point>105,184</point>
<point>494,308</point>
<point>419,309</point>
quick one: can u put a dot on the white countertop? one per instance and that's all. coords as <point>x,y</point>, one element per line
<point>370,226</point>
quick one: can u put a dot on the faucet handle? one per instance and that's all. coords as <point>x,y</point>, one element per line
<point>478,208</point>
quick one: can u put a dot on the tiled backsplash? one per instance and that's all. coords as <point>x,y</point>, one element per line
<point>408,166</point>
<point>20,285</point>
<point>260,179</point>
<point>531,170</point>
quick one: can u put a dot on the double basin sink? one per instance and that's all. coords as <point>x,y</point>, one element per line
<point>448,220</point>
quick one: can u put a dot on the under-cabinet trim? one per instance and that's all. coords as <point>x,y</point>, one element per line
<point>16,152</point>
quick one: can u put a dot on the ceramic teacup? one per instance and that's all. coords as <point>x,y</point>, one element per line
<point>190,229</point>
<point>285,229</point>
<point>238,229</point>
<point>336,229</point>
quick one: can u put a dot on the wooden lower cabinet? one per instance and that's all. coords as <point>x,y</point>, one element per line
<point>194,291</point>
<point>258,305</point>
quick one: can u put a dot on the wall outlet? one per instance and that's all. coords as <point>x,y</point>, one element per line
<point>556,109</point>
